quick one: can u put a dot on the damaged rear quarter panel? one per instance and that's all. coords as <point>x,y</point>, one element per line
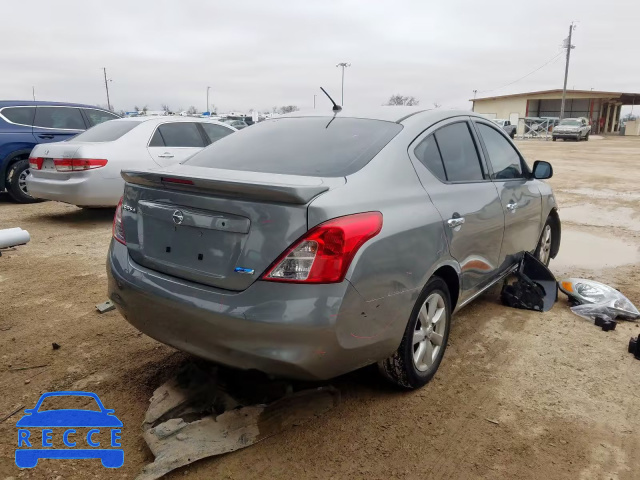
<point>389,270</point>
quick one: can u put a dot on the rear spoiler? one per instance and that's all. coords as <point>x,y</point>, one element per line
<point>245,185</point>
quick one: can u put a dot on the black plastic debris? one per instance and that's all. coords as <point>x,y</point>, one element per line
<point>634,347</point>
<point>605,323</point>
<point>531,287</point>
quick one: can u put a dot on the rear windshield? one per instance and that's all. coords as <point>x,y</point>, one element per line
<point>313,146</point>
<point>106,132</point>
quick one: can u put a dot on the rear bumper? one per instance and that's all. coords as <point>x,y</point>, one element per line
<point>308,332</point>
<point>78,188</point>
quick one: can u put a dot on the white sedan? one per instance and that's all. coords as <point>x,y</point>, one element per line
<point>85,170</point>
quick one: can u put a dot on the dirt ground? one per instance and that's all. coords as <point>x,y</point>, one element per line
<point>519,394</point>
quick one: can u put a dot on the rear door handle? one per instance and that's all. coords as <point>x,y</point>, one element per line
<point>455,222</point>
<point>165,155</point>
<point>512,207</point>
<point>46,136</point>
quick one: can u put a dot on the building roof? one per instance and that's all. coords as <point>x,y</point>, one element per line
<point>626,98</point>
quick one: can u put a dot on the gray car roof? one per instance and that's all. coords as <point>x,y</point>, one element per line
<point>396,114</point>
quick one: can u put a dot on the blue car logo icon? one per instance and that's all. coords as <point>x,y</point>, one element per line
<point>29,452</point>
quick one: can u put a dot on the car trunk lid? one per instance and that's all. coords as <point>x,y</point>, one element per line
<point>217,227</point>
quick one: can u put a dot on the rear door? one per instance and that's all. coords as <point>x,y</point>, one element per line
<point>520,198</point>
<point>56,124</point>
<point>465,197</point>
<point>173,142</point>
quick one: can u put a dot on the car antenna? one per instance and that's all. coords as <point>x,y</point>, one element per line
<point>336,107</point>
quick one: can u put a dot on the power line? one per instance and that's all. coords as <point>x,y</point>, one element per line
<point>555,57</point>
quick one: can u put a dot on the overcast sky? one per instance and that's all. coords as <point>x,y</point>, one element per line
<point>260,53</point>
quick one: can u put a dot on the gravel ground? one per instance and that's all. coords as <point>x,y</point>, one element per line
<point>519,394</point>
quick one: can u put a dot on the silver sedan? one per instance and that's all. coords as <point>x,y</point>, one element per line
<point>85,170</point>
<point>312,245</point>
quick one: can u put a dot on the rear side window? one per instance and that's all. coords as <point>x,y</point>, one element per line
<point>96,117</point>
<point>180,134</point>
<point>215,132</point>
<point>312,146</point>
<point>503,157</point>
<point>459,154</point>
<point>19,115</point>
<point>59,117</point>
<point>429,155</point>
<point>106,132</point>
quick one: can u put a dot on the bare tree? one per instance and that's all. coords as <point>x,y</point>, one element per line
<point>192,110</point>
<point>144,109</point>
<point>165,108</point>
<point>136,108</point>
<point>288,109</point>
<point>436,105</point>
<point>395,100</point>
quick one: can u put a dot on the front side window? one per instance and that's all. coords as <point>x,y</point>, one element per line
<point>64,118</point>
<point>182,134</point>
<point>459,154</point>
<point>19,115</point>
<point>215,132</point>
<point>98,116</point>
<point>503,157</point>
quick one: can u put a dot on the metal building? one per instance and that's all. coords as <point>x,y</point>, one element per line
<point>601,108</point>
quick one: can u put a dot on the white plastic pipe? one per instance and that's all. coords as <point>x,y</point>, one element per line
<point>10,237</point>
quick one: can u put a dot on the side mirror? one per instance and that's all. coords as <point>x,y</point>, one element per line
<point>542,170</point>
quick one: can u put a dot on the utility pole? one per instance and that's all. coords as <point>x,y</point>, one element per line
<point>314,102</point>
<point>33,93</point>
<point>106,86</point>
<point>473,107</point>
<point>207,109</point>
<point>568,46</point>
<point>343,65</point>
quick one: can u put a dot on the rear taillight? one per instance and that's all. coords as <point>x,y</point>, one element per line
<point>78,164</point>
<point>324,254</point>
<point>118,230</point>
<point>36,163</point>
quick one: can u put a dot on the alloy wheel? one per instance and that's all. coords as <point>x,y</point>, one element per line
<point>428,335</point>
<point>545,245</point>
<point>22,181</point>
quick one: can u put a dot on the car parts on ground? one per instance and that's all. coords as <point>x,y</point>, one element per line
<point>12,237</point>
<point>207,411</point>
<point>592,299</point>
<point>531,287</point>
<point>634,347</point>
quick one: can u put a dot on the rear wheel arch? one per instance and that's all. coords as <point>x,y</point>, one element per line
<point>451,278</point>
<point>9,160</point>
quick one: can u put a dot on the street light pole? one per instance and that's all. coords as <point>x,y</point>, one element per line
<point>106,86</point>
<point>207,109</point>
<point>473,106</point>
<point>569,46</point>
<point>343,65</point>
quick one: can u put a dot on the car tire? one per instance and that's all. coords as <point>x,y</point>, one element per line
<point>543,250</point>
<point>16,186</point>
<point>586,137</point>
<point>427,333</point>
<point>554,139</point>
